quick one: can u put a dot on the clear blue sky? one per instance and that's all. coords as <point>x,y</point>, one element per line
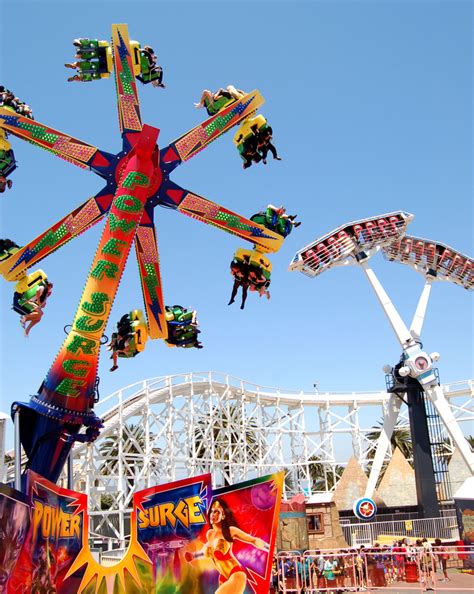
<point>371,106</point>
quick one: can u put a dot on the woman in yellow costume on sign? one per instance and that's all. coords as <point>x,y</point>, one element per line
<point>218,548</point>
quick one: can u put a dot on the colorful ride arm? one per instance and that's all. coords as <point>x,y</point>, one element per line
<point>198,138</point>
<point>62,145</point>
<point>66,398</point>
<point>208,212</point>
<point>149,268</point>
<point>70,226</point>
<point>127,96</point>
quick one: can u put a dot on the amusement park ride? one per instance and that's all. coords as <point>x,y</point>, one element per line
<point>415,374</point>
<point>137,179</point>
<point>172,520</point>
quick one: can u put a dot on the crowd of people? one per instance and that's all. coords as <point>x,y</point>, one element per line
<point>361,568</point>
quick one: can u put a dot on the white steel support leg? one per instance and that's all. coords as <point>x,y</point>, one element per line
<point>401,331</point>
<point>383,443</point>
<point>444,410</point>
<point>419,317</point>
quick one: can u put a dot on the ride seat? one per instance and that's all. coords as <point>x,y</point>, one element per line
<point>25,289</point>
<point>7,253</point>
<point>7,162</point>
<point>255,258</point>
<point>245,130</point>
<point>140,329</point>
<point>4,144</point>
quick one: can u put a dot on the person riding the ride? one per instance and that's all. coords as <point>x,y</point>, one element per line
<point>7,248</point>
<point>29,298</point>
<point>7,162</point>
<point>248,150</point>
<point>93,60</point>
<point>86,49</point>
<point>88,70</point>
<point>253,141</point>
<point>251,271</point>
<point>182,327</point>
<point>259,280</point>
<point>215,102</point>
<point>130,338</point>
<point>264,136</point>
<point>5,183</point>
<point>276,219</point>
<point>150,71</point>
<point>9,101</point>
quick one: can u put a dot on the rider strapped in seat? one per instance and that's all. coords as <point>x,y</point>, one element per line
<point>7,248</point>
<point>276,219</point>
<point>150,71</point>
<point>182,327</point>
<point>253,141</point>
<point>9,101</point>
<point>29,298</point>
<point>130,338</point>
<point>93,60</point>
<point>7,161</point>
<point>251,271</point>
<point>215,102</point>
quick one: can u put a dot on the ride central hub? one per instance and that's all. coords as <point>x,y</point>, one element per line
<point>140,145</point>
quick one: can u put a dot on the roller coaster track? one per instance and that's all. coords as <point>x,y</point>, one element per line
<point>124,403</point>
<point>166,428</point>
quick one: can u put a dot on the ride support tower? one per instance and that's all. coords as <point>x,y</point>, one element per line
<point>414,375</point>
<point>137,179</point>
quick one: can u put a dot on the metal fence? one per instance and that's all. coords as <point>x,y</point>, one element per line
<point>417,568</point>
<point>367,534</point>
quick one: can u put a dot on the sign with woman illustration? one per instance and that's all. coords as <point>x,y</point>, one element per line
<point>210,541</point>
<point>185,538</point>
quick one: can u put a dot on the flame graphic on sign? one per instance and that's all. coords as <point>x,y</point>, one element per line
<point>109,580</point>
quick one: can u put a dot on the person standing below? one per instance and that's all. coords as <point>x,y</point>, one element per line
<point>426,565</point>
<point>360,567</point>
<point>317,569</point>
<point>400,552</point>
<point>329,572</point>
<point>274,580</point>
<point>443,557</point>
